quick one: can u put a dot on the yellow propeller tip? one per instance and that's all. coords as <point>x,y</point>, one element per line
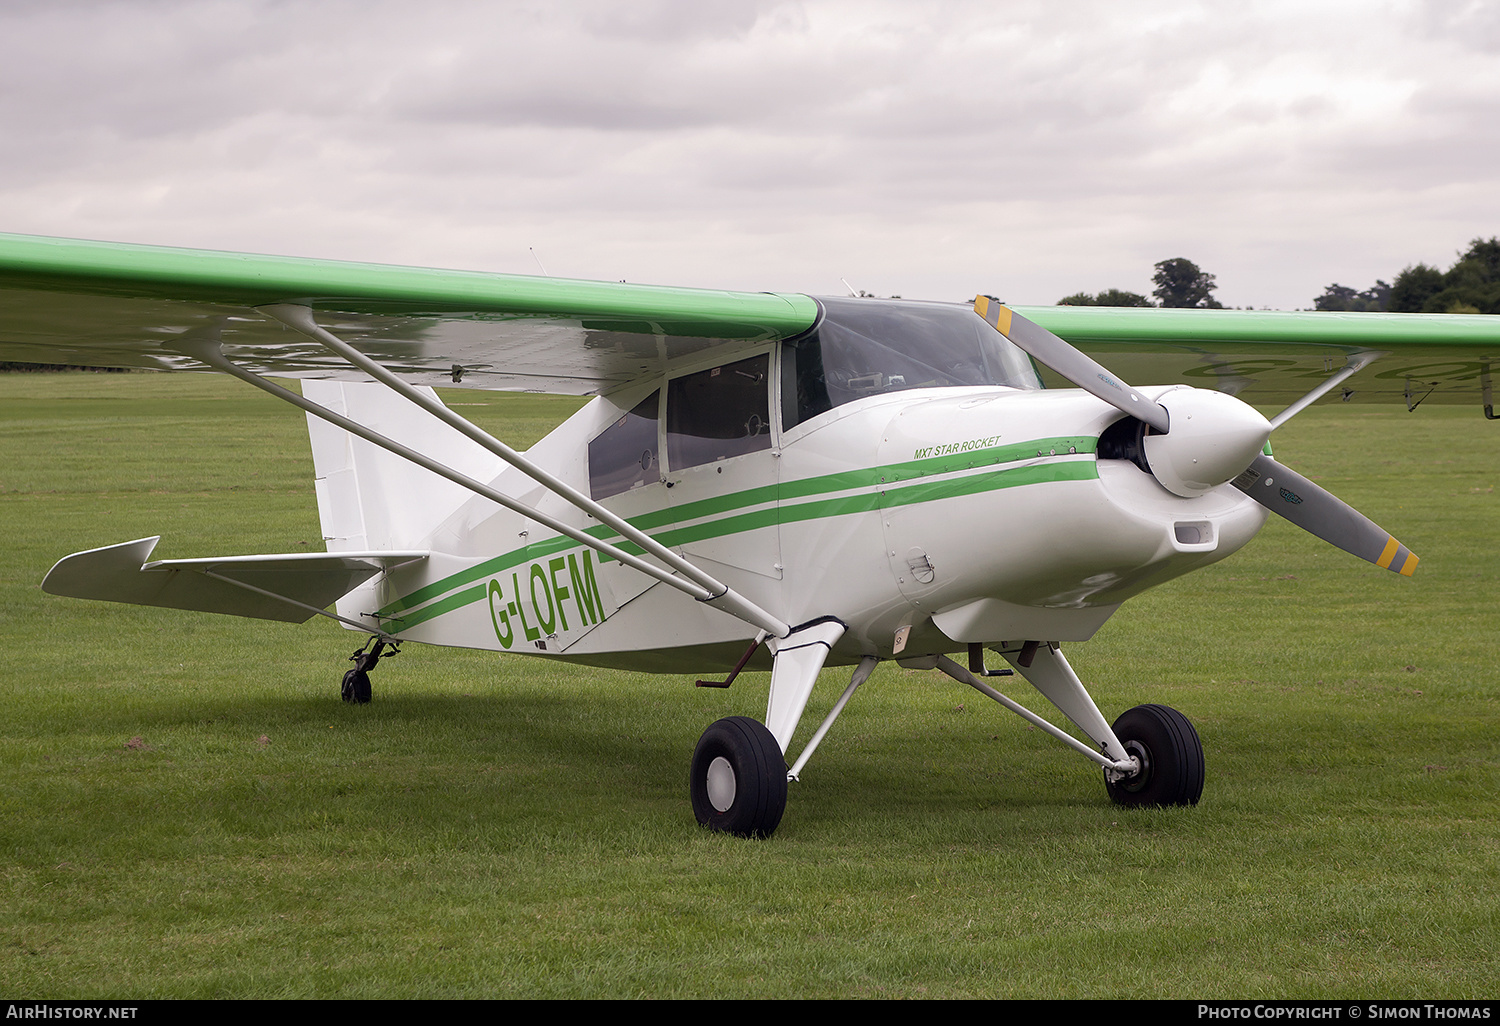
<point>994,312</point>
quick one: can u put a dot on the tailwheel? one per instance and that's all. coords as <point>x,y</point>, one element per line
<point>356,684</point>
<point>738,778</point>
<point>355,687</point>
<point>1170,756</point>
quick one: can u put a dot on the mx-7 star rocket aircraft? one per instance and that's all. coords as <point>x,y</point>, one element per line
<point>820,482</point>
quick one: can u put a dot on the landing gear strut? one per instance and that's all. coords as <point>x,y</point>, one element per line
<point>356,685</point>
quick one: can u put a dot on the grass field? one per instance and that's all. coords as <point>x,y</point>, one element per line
<point>189,811</point>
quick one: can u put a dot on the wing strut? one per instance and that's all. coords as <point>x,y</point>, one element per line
<point>698,584</point>
<point>1355,363</point>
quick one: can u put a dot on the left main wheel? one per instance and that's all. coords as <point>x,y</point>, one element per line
<point>738,780</point>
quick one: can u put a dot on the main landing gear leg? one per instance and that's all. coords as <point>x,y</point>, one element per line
<point>356,685</point>
<point>1160,744</point>
<point>739,774</point>
<point>1151,755</point>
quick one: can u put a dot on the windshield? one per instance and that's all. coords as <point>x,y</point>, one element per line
<point>863,347</point>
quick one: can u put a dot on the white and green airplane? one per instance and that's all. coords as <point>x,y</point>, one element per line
<point>759,477</point>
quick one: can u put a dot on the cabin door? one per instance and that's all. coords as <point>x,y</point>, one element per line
<point>721,471</point>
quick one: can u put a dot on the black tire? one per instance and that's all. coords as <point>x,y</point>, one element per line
<point>1171,758</point>
<point>747,793</point>
<point>356,687</point>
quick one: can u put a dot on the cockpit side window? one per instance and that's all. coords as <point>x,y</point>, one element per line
<point>864,347</point>
<point>719,413</point>
<point>804,391</point>
<point>624,455</point>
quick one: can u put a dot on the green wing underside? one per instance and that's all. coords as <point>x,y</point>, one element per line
<point>1274,358</point>
<point>110,304</point>
<point>115,305</point>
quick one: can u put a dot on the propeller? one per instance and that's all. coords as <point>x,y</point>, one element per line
<point>1217,440</point>
<point>1316,510</point>
<point>1083,371</point>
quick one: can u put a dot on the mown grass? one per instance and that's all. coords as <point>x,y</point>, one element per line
<point>187,810</point>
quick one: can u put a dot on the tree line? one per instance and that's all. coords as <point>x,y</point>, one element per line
<point>1179,283</point>
<point>1471,285</point>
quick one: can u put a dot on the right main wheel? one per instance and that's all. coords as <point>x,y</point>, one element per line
<point>738,780</point>
<point>1170,754</point>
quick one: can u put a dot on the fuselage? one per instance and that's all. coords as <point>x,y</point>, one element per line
<point>925,519</point>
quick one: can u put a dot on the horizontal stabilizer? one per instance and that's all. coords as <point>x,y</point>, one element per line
<point>298,583</point>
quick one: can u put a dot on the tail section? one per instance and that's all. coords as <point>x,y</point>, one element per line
<point>373,500</point>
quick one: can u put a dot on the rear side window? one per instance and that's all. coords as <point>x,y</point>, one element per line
<point>718,413</point>
<point>624,456</point>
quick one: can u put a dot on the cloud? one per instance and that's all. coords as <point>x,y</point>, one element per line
<point>927,149</point>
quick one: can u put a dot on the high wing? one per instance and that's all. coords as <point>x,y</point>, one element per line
<point>102,304</point>
<point>1273,358</point>
<point>116,305</point>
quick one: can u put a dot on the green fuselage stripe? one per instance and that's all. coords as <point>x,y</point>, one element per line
<point>457,600</point>
<point>486,569</point>
<point>972,484</point>
<point>880,478</point>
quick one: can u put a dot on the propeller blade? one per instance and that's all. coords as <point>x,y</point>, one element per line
<point>1282,491</point>
<point>1081,370</point>
<point>1318,511</point>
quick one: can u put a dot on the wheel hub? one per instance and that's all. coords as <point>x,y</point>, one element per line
<point>1138,779</point>
<point>721,784</point>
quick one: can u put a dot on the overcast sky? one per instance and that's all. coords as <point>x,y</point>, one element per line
<point>930,150</point>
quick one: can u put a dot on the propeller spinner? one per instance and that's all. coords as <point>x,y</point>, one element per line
<point>1197,439</point>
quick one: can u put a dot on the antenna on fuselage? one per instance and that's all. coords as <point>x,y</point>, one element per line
<point>538,261</point>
